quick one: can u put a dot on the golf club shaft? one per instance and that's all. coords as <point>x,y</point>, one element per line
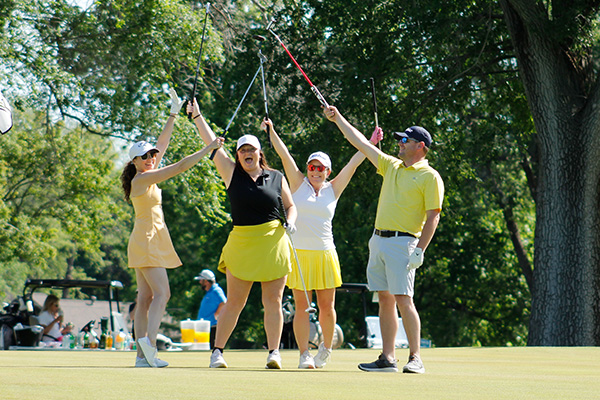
<point>264,85</point>
<point>310,308</point>
<point>199,58</point>
<point>312,87</point>
<point>375,106</point>
<point>212,155</point>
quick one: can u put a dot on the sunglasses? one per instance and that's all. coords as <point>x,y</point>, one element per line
<point>405,140</point>
<point>150,154</point>
<point>320,168</point>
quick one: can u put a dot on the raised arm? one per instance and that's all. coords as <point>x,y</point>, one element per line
<point>353,135</point>
<point>294,175</point>
<point>145,179</point>
<point>225,165</point>
<point>342,179</point>
<point>288,203</point>
<point>165,136</point>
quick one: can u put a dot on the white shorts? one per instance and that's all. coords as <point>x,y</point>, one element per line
<point>387,267</point>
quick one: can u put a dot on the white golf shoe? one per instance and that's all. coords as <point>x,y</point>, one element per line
<point>306,361</point>
<point>148,350</point>
<point>273,360</point>
<point>323,356</point>
<point>217,360</point>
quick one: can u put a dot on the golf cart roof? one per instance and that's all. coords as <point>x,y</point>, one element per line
<point>112,289</point>
<point>70,283</point>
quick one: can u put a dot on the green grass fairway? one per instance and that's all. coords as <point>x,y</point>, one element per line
<point>452,373</point>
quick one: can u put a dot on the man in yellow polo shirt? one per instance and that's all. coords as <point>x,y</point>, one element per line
<point>408,213</point>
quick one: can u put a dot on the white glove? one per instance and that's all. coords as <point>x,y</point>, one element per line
<point>175,102</point>
<point>290,228</point>
<point>416,259</point>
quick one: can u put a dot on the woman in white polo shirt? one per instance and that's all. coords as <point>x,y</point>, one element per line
<point>315,198</point>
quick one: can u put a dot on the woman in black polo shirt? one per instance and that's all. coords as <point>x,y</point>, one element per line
<point>258,249</point>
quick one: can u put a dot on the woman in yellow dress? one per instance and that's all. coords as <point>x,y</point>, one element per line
<point>150,250</point>
<point>258,249</point>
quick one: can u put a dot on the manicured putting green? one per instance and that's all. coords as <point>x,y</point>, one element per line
<point>452,373</point>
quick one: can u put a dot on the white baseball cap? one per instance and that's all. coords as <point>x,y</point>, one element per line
<point>248,139</point>
<point>140,148</point>
<point>206,274</point>
<point>321,157</point>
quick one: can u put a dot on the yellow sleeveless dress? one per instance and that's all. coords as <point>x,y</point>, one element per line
<point>150,243</point>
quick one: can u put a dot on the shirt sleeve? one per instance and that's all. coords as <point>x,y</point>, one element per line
<point>434,192</point>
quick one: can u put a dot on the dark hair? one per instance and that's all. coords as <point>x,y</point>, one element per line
<point>262,161</point>
<point>126,177</point>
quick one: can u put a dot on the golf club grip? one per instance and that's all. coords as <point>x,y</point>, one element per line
<point>212,155</point>
<point>319,96</point>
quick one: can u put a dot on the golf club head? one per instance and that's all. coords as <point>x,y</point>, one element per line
<point>311,309</point>
<point>259,38</point>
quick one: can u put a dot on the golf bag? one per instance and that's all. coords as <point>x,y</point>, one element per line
<point>11,316</point>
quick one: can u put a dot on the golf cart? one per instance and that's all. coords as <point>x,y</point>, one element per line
<point>24,310</point>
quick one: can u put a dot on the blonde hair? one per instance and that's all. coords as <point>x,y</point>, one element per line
<point>50,300</point>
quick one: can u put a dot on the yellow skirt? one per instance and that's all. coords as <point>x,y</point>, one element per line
<point>257,253</point>
<point>320,269</point>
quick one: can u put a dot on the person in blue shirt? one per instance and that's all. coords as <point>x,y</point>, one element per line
<point>212,302</point>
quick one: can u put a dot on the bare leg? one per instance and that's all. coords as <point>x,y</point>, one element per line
<point>411,322</point>
<point>272,295</point>
<point>237,294</point>
<point>301,320</point>
<point>388,322</point>
<point>144,298</point>
<point>157,281</point>
<point>327,314</point>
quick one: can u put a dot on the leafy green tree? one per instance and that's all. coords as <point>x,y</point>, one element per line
<point>56,192</point>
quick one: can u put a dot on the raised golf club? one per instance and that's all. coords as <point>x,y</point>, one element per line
<point>264,85</point>
<point>212,155</point>
<point>193,94</point>
<point>312,87</point>
<point>375,106</point>
<point>311,307</point>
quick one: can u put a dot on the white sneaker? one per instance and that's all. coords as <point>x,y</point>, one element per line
<point>142,363</point>
<point>217,360</point>
<point>323,356</point>
<point>273,360</point>
<point>306,361</point>
<point>414,366</point>
<point>148,350</point>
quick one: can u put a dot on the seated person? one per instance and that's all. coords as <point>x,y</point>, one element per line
<point>51,319</point>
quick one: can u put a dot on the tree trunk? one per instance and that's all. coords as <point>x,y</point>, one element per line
<point>566,278</point>
<point>70,265</point>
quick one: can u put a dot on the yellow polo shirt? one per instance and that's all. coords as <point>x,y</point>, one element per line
<point>407,194</point>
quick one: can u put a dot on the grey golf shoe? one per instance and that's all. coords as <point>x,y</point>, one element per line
<point>382,364</point>
<point>414,366</point>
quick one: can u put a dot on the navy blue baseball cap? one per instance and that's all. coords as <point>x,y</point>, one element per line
<point>415,132</point>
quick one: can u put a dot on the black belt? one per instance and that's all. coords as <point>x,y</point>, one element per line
<point>388,234</point>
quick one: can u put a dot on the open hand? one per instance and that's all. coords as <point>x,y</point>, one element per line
<point>176,103</point>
